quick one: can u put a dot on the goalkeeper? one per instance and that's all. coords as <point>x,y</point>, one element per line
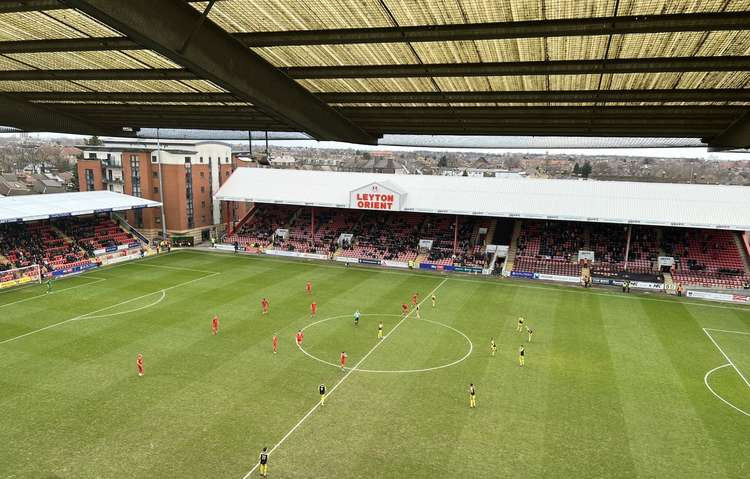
<point>49,284</point>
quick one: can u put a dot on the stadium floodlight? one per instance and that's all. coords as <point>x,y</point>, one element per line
<point>20,276</point>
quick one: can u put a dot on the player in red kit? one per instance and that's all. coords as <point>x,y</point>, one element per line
<point>414,298</point>
<point>343,360</point>
<point>300,337</point>
<point>404,309</point>
<point>275,343</point>
<point>313,308</point>
<point>215,324</point>
<point>139,363</point>
<point>308,287</point>
<point>265,305</point>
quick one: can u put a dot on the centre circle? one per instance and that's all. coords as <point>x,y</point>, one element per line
<point>421,370</point>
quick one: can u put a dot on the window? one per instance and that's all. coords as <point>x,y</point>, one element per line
<point>155,174</point>
<point>189,195</point>
<point>156,189</point>
<point>135,174</point>
<point>226,159</point>
<point>138,218</point>
<point>202,175</point>
<point>201,159</point>
<point>89,179</point>
<point>92,156</point>
<point>187,159</point>
<point>203,219</point>
<point>203,189</point>
<point>137,190</point>
<point>227,174</point>
<point>203,204</point>
<point>153,159</point>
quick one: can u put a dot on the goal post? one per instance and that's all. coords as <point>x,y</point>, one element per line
<point>20,276</point>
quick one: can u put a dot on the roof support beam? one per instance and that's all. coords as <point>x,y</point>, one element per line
<point>127,97</point>
<point>624,132</point>
<point>33,117</point>
<point>251,82</point>
<point>493,31</point>
<point>563,96</point>
<point>539,112</point>
<point>95,74</point>
<point>562,67</point>
<point>691,22</point>
<point>236,68</point>
<point>737,135</point>
<point>17,6</point>
<point>577,96</point>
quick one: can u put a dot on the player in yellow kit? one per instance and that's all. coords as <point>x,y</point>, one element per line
<point>493,347</point>
<point>380,330</point>
<point>520,324</point>
<point>521,352</point>
<point>434,300</point>
<point>472,396</point>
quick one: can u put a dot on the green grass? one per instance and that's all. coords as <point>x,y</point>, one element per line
<point>613,384</point>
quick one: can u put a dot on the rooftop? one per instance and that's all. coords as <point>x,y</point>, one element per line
<point>40,207</point>
<point>356,70</point>
<point>682,205</point>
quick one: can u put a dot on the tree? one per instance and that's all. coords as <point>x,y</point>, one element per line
<point>74,184</point>
<point>93,141</point>
<point>443,161</point>
<point>466,173</point>
<point>586,169</point>
<point>576,170</point>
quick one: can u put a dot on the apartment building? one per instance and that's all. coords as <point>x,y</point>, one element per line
<point>191,172</point>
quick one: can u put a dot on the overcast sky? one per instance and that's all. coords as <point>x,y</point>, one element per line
<point>652,152</point>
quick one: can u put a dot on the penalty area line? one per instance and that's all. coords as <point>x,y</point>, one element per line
<point>91,313</point>
<point>726,356</point>
<point>346,376</point>
<point>61,290</point>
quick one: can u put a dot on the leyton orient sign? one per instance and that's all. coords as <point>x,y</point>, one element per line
<point>376,196</point>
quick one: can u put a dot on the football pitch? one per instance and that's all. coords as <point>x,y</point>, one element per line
<point>614,385</point>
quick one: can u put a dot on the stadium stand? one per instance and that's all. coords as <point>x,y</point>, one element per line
<point>377,235</point>
<point>60,244</point>
<point>709,258</point>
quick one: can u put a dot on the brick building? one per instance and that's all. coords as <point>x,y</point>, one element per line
<point>192,172</point>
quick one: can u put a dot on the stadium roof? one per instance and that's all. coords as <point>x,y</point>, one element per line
<point>684,205</point>
<point>41,207</point>
<point>355,70</point>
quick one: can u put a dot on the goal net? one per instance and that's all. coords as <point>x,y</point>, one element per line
<point>20,276</point>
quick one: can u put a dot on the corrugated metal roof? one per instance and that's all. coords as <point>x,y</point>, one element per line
<point>704,206</point>
<point>38,207</point>
<point>253,16</point>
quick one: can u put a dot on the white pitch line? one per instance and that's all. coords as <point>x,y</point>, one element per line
<point>705,381</point>
<point>729,360</point>
<point>98,280</point>
<point>312,410</point>
<point>506,283</point>
<point>726,331</point>
<point>176,268</point>
<point>394,371</point>
<point>120,313</point>
<point>82,316</point>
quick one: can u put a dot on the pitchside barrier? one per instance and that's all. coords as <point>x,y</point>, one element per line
<point>594,279</point>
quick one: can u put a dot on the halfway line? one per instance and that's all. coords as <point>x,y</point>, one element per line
<point>312,410</point>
